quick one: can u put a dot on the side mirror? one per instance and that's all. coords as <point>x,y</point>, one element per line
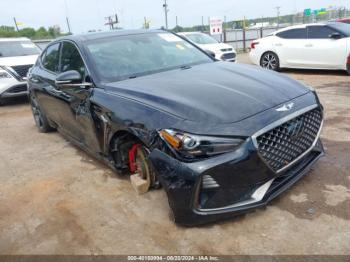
<point>70,78</point>
<point>210,53</point>
<point>335,36</point>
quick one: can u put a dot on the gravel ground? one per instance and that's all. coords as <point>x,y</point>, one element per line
<point>55,199</point>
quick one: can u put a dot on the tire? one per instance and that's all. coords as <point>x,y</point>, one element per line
<point>40,119</point>
<point>270,60</point>
<point>347,70</point>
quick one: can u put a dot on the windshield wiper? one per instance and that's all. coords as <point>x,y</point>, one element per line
<point>132,77</point>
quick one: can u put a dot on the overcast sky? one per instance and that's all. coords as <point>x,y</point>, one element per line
<point>89,14</point>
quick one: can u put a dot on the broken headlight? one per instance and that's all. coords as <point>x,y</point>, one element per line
<point>191,146</point>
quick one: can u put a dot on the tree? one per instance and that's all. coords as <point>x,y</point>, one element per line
<point>27,32</point>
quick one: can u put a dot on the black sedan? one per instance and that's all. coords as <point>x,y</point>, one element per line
<point>220,138</point>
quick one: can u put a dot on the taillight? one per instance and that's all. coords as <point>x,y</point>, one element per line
<point>348,60</point>
<point>253,44</point>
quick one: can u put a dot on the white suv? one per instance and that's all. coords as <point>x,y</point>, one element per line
<point>222,51</point>
<point>17,56</point>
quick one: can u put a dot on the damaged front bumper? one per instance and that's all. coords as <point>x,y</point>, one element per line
<point>227,185</point>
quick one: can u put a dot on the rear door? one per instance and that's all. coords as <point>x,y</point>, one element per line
<point>322,51</point>
<point>290,45</point>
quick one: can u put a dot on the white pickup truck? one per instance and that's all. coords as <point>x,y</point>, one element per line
<point>17,56</point>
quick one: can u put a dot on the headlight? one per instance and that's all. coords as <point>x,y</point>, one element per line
<point>191,146</point>
<point>4,74</point>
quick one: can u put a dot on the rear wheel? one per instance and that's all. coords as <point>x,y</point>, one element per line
<point>347,70</point>
<point>40,119</point>
<point>270,61</point>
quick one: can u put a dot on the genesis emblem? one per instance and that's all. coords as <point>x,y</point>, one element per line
<point>285,107</point>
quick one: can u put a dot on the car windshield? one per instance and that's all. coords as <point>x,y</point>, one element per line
<point>18,48</point>
<point>121,57</point>
<point>342,27</point>
<point>201,39</point>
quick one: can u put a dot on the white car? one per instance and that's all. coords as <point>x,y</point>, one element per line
<point>311,46</point>
<point>17,56</point>
<point>222,51</point>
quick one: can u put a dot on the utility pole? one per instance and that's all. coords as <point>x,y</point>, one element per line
<point>202,23</point>
<point>67,16</point>
<point>176,22</point>
<point>68,25</point>
<point>166,10</point>
<point>278,16</point>
<point>112,22</point>
<point>14,19</point>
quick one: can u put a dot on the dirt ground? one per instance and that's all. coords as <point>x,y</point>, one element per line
<point>55,199</point>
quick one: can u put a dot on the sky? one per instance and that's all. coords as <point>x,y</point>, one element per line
<point>85,15</point>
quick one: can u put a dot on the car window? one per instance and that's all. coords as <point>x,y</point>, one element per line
<point>50,59</point>
<point>18,48</point>
<point>319,32</point>
<point>71,59</point>
<point>296,33</point>
<point>201,39</point>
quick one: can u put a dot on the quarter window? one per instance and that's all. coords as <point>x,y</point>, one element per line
<point>71,59</point>
<point>50,59</point>
<point>297,33</point>
<point>319,32</point>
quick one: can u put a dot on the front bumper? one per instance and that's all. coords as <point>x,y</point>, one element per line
<point>12,88</point>
<point>227,185</point>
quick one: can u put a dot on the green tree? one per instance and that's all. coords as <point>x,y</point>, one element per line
<point>27,32</point>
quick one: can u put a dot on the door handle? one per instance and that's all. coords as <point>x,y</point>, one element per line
<point>309,45</point>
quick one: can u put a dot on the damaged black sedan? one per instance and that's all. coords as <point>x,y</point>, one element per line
<point>220,138</point>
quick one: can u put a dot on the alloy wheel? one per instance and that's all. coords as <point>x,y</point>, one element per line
<point>269,61</point>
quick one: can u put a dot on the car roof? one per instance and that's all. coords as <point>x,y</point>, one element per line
<point>99,35</point>
<point>303,26</point>
<point>14,39</point>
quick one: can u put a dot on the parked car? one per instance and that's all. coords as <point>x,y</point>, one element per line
<point>222,51</point>
<point>221,138</point>
<point>17,55</point>
<point>344,20</point>
<point>312,46</point>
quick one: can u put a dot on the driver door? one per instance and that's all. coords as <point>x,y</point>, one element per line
<point>75,113</point>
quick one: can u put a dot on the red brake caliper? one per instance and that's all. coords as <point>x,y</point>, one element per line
<point>132,164</point>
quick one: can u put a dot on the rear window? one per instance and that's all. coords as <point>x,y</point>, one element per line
<point>297,33</point>
<point>18,48</point>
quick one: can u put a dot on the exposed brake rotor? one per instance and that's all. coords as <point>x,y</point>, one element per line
<point>142,174</point>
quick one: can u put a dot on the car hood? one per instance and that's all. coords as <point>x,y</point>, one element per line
<point>217,92</point>
<point>18,60</point>
<point>216,47</point>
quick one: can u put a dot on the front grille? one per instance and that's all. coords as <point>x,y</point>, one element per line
<point>22,70</point>
<point>226,49</point>
<point>228,56</point>
<point>285,143</point>
<point>18,89</point>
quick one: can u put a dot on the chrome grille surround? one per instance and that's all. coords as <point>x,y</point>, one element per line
<point>286,141</point>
